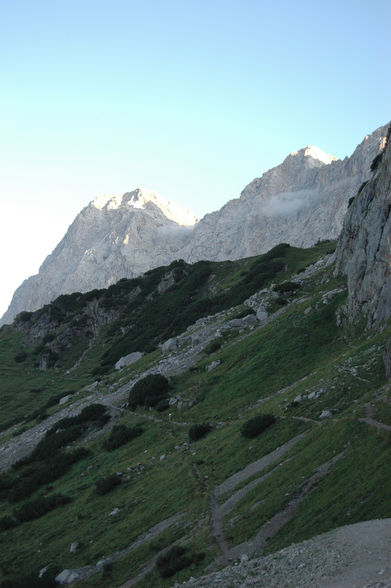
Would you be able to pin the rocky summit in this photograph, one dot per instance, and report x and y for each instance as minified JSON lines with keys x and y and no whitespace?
{"x":300,"y":201}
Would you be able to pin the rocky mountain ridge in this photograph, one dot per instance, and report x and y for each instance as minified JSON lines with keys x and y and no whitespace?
{"x":299,"y":202}
{"x":302,"y":200}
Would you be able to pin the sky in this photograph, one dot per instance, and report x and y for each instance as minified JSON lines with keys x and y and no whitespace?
{"x":192,"y":99}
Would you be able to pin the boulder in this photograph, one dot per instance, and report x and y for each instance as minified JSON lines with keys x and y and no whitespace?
{"x":67,"y":577}
{"x":213,"y":365}
{"x":65,"y":399}
{"x":261,"y":314}
{"x":170,"y":345}
{"x":325,"y":414}
{"x":128,"y":359}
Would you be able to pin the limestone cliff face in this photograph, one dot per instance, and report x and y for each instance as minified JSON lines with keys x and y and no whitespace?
{"x":300,"y":201}
{"x":364,"y":248}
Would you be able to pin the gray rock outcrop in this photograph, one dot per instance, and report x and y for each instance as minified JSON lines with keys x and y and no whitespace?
{"x":364,"y":248}
{"x":128,"y":359}
{"x":300,"y":201}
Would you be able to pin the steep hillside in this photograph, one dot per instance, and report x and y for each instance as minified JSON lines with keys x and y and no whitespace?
{"x":271,"y":427}
{"x":299,"y":202}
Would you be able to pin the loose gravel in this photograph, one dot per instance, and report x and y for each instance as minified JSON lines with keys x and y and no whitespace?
{"x":355,"y":556}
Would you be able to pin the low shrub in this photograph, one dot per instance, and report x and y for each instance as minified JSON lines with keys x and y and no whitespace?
{"x":7,"y":523}
{"x":253,"y":427}
{"x":198,"y":431}
{"x":30,"y":581}
{"x":6,"y":482}
{"x":149,"y":391}
{"x":64,"y":432}
{"x":101,"y":370}
{"x":24,"y":316}
{"x":174,"y":560}
{"x":280,"y":301}
{"x":213,"y":346}
{"x":120,"y":434}
{"x":41,"y":473}
{"x":50,"y":445}
{"x":105,"y":485}
{"x":37,"y":508}
{"x":162,"y":405}
{"x":20,"y":357}
{"x":93,"y":413}
{"x":287,"y":287}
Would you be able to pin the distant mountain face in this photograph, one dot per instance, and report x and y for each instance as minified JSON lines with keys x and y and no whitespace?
{"x":300,"y":201}
{"x":111,"y":238}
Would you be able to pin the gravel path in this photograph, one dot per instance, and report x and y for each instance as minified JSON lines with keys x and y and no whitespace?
{"x":258,"y":543}
{"x":370,"y":413}
{"x":355,"y":556}
{"x":255,"y":467}
{"x":76,"y":575}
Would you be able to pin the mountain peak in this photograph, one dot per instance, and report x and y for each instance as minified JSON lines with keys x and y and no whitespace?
{"x":140,"y":198}
{"x":315,"y":153}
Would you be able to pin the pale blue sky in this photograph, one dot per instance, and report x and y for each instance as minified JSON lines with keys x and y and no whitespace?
{"x":192,"y":99}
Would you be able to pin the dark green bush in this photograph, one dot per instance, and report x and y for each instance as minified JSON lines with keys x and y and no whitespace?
{"x":149,"y":391}
{"x":105,"y":485}
{"x":245,"y":311}
{"x":162,"y":405}
{"x":174,"y":560}
{"x":6,"y":482}
{"x":101,"y":370}
{"x":7,"y":523}
{"x":20,"y":357}
{"x":41,"y":473}
{"x":253,"y":427}
{"x":120,"y":434}
{"x":280,"y":301}
{"x":24,"y":316}
{"x":286,"y":287}
{"x":53,"y":441}
{"x":213,"y":346}
{"x":93,"y":413}
{"x":198,"y":431}
{"x":37,"y":508}
{"x":31,"y":581}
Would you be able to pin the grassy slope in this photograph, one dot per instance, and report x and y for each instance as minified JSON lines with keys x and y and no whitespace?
{"x":304,"y":351}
